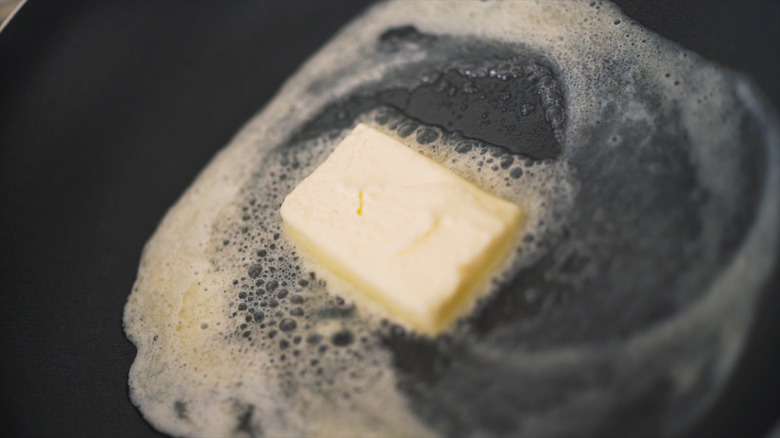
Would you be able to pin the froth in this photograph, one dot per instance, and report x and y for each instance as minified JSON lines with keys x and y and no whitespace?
{"x":643,"y":222}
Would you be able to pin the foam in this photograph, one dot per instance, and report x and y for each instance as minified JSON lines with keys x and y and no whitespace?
{"x":240,"y":335}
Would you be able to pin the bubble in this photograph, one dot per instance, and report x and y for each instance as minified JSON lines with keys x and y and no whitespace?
{"x":407,"y":129}
{"x":506,"y":161}
{"x":288,"y":325}
{"x":342,"y":338}
{"x":463,"y":148}
{"x":255,"y":271}
{"x":427,"y":135}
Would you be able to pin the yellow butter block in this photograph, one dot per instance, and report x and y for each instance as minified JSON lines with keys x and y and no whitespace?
{"x":407,"y":232}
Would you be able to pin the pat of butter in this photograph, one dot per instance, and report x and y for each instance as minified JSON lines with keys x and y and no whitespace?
{"x":408,"y":233}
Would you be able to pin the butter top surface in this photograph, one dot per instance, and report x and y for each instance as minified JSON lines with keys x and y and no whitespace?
{"x":405,"y":230}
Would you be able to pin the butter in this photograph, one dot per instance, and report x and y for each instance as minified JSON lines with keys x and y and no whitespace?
{"x":407,"y":232}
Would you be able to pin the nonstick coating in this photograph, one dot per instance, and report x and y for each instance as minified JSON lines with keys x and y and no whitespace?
{"x":107,"y":112}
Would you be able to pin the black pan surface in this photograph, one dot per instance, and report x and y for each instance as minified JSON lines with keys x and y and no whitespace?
{"x":107,"y":112}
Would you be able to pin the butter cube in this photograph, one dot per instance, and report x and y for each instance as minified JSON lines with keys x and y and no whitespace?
{"x":408,"y":233}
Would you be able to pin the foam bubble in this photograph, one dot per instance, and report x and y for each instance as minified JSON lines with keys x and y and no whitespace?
{"x":651,"y":181}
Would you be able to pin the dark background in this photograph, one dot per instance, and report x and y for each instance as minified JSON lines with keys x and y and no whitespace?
{"x":108,"y":109}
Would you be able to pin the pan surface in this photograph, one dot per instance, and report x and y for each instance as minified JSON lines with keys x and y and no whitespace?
{"x":108,"y":110}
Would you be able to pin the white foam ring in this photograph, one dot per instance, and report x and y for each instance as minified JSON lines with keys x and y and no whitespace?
{"x":208,"y":365}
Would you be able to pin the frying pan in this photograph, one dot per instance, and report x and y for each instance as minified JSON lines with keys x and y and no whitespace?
{"x":107,"y":112}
